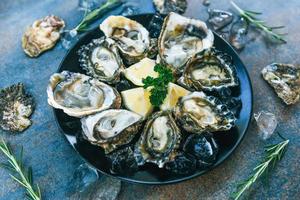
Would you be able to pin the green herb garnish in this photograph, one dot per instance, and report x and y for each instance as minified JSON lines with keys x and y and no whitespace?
{"x":274,"y":153}
{"x":251,"y":17}
{"x":93,"y":15}
{"x":160,"y":84}
{"x":15,"y":166}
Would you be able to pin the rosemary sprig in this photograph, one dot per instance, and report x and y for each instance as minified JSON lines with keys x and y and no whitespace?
{"x":274,"y":153}
{"x":15,"y":166}
{"x":93,"y":15}
{"x":251,"y":17}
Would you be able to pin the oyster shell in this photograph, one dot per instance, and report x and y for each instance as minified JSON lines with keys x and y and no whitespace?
{"x":197,"y":113}
{"x":159,"y":141}
{"x":285,"y":79}
{"x":111,"y":128}
{"x":123,"y":161}
{"x":166,"y":6}
{"x":79,"y":95}
{"x":131,"y":37}
{"x":203,"y":147}
{"x":101,"y":60}
{"x":209,"y":70}
{"x":16,"y":106}
{"x":42,"y":35}
{"x":181,"y":38}
{"x":182,"y":164}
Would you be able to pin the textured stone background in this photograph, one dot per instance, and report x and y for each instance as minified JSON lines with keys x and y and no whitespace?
{"x":53,"y":159}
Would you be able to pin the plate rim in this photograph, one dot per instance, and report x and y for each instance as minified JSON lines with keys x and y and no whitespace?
{"x":175,"y":181}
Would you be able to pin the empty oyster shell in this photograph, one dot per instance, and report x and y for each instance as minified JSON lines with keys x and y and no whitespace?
{"x":101,"y":60}
{"x":79,"y":95}
{"x":285,"y":79}
{"x":197,"y":113}
{"x":181,"y":38}
{"x":159,"y":141}
{"x":111,"y":128}
{"x":131,"y":37}
{"x":209,"y":70}
{"x":15,"y":108}
{"x":42,"y":35}
{"x":166,"y":6}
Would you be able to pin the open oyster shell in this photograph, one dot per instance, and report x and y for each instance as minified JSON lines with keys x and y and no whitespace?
{"x":111,"y":128}
{"x":131,"y":37}
{"x":181,"y":38}
{"x":15,"y":108}
{"x":159,"y":141}
{"x":42,"y":35}
{"x":166,"y":6}
{"x":197,"y":113}
{"x":79,"y":95}
{"x":209,"y":70}
{"x":101,"y":60}
{"x":285,"y":79}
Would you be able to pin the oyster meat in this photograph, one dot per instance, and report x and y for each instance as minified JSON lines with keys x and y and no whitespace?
{"x":101,"y":60}
{"x":203,"y":147}
{"x":285,"y":79}
{"x":197,"y":113}
{"x":42,"y":35}
{"x":79,"y":95}
{"x":209,"y":70}
{"x":160,"y":140}
{"x":131,"y":37}
{"x":181,"y":38}
{"x":111,"y":128}
{"x":16,"y":106}
{"x":166,"y":6}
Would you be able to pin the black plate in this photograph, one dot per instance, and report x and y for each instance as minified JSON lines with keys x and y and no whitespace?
{"x":150,"y":174}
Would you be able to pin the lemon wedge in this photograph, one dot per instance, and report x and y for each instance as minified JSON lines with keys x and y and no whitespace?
{"x":135,"y":73}
{"x":174,"y":93}
{"x":137,"y":100}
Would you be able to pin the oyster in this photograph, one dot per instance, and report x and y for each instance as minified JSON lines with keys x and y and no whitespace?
{"x":16,"y":106}
{"x":131,"y":37}
{"x":111,"y":128}
{"x":101,"y":60}
{"x":197,"y":113}
{"x":182,"y":164}
{"x":42,"y":35}
{"x":166,"y":6}
{"x":181,"y":38}
{"x":203,"y":147}
{"x":123,"y":161}
{"x":209,"y":70}
{"x":285,"y":79}
{"x":79,"y":95}
{"x":159,"y":141}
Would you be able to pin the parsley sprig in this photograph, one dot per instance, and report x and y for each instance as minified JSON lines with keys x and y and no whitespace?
{"x":18,"y":172}
{"x":159,"y":84}
{"x":274,"y":153}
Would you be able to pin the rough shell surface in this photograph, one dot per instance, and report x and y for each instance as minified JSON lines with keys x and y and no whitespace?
{"x":181,"y":38}
{"x":101,"y":60}
{"x":131,"y":37}
{"x":166,"y":6}
{"x":159,"y":141}
{"x":197,"y":113}
{"x":209,"y":70}
{"x":42,"y":35}
{"x":123,"y":161}
{"x":79,"y":95}
{"x":111,"y":128}
{"x":16,"y":106}
{"x":285,"y":79}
